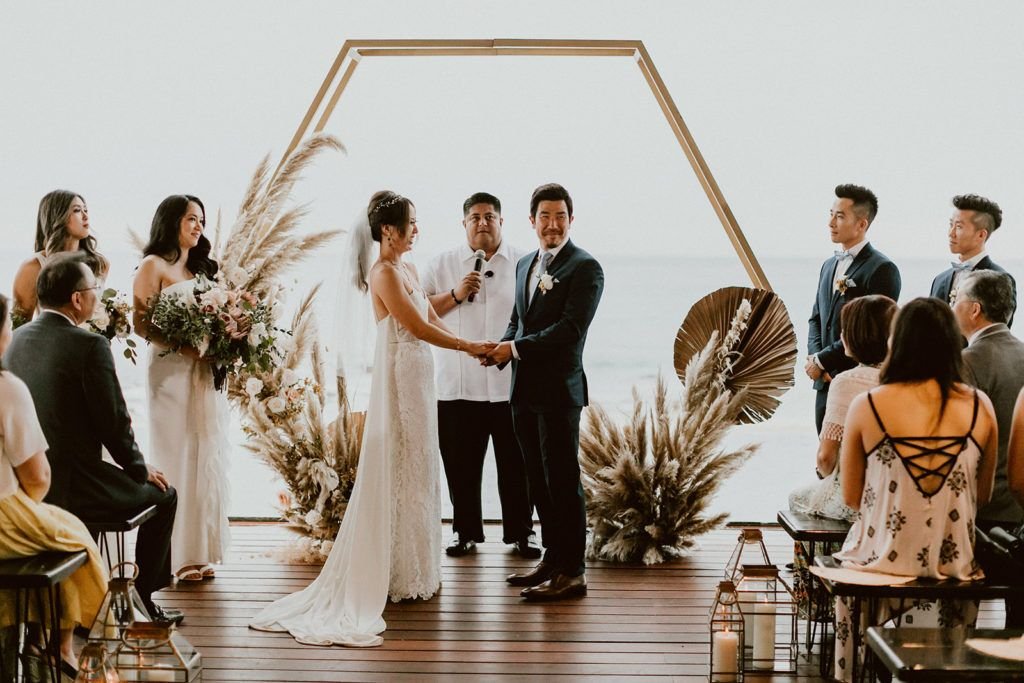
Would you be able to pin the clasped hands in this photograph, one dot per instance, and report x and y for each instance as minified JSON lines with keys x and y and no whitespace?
{"x":814,"y":371}
{"x":490,"y":353}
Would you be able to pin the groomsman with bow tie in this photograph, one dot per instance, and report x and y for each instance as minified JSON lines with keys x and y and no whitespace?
{"x":974,"y":220}
{"x":856,"y":270}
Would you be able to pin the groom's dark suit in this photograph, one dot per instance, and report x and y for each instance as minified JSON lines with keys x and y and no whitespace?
{"x":70,"y":374}
{"x":872,"y":272}
{"x":549,"y":390}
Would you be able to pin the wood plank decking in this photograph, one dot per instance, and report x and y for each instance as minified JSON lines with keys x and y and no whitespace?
{"x":637,"y":622}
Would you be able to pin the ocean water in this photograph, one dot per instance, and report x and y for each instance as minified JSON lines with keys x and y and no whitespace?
{"x":630,"y":344}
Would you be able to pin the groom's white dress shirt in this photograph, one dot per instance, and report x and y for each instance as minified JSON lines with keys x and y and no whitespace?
{"x":844,"y":264}
{"x":458,"y":375}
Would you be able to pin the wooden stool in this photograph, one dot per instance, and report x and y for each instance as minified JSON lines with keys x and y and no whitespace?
{"x":119,"y":528}
{"x":40,"y":574}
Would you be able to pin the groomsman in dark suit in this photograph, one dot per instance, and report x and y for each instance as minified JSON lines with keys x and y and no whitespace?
{"x":558,"y":288}
{"x":70,"y":373}
{"x":855,"y":270}
{"x":994,"y":363}
{"x":973,"y":221}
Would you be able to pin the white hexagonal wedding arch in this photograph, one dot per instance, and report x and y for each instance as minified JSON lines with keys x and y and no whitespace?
{"x":352,"y":51}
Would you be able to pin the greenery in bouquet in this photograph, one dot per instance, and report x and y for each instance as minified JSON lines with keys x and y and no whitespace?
{"x":18,"y":318}
{"x":229,"y":327}
{"x":113,"y":320}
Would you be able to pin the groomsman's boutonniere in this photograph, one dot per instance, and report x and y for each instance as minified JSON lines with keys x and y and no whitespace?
{"x":546,"y":283}
{"x":844,"y":283}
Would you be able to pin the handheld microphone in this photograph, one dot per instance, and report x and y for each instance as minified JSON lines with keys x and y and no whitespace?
{"x":477,"y":266}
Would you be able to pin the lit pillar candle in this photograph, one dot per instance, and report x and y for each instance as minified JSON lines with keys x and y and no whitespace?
{"x":723,"y":664}
{"x":764,"y":635}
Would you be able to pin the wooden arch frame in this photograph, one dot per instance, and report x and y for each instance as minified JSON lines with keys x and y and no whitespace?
{"x":352,"y":51}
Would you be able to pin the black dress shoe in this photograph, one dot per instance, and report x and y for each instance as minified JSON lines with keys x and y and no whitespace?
{"x":527,"y":548}
{"x":558,"y":587}
{"x":174,"y":616}
{"x":536,"y":576}
{"x":458,"y":547}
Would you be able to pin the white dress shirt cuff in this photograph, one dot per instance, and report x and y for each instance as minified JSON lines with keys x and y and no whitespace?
{"x":817,"y":361}
{"x":515,"y":353}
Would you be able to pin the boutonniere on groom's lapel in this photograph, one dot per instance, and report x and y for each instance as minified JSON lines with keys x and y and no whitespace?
{"x":547,"y":283}
{"x":844,"y":283}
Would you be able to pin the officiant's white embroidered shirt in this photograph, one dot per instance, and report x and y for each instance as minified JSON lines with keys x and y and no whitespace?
{"x":459,"y":376}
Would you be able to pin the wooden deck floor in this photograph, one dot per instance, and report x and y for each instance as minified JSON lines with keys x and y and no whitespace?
{"x":637,"y":622}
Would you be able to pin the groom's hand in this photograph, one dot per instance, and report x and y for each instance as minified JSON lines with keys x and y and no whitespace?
{"x":499,"y":355}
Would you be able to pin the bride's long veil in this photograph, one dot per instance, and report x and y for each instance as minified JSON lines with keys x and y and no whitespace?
{"x":354,"y":324}
{"x":344,"y":605}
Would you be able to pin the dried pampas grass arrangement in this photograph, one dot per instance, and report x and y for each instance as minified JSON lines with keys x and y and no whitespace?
{"x":650,"y":482}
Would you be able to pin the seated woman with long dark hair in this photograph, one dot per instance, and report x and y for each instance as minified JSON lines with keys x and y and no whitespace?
{"x":918,"y":458}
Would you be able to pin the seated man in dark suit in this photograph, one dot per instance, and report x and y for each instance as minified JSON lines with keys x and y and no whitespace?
{"x":70,"y":374}
{"x":973,"y":221}
{"x":994,"y":362}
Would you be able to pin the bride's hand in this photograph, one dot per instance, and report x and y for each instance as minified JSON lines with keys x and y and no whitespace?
{"x":478,"y":349}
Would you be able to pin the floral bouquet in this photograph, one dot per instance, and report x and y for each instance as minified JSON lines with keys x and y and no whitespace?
{"x":230,"y":328}
{"x":112,"y":319}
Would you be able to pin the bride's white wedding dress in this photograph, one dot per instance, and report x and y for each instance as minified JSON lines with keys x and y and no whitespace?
{"x":389,"y":543}
{"x":188,"y":423}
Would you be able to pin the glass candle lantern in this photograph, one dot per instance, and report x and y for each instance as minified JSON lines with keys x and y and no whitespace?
{"x":122,"y":606}
{"x":726,"y":630}
{"x":154,"y":651}
{"x":95,"y":666}
{"x":768,"y":607}
{"x":750,"y":549}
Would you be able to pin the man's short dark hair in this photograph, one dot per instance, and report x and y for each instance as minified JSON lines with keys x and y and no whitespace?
{"x":987,"y":214}
{"x":61,"y":277}
{"x":481,"y":198}
{"x":865,"y":203}
{"x":993,"y":291}
{"x":552,"y":192}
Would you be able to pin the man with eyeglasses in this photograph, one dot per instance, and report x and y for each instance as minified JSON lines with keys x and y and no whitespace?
{"x":472,"y":288}
{"x":70,"y":374}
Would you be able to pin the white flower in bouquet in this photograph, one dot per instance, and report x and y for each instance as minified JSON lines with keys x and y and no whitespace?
{"x":312,"y":518}
{"x":257,"y":334}
{"x":253,"y":386}
{"x":215,"y":297}
{"x":276,"y":405}
{"x":288,"y":377}
{"x":100,"y":318}
{"x":287,"y":344}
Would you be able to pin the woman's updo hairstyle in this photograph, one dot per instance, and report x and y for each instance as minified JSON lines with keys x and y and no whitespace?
{"x":388,"y":208}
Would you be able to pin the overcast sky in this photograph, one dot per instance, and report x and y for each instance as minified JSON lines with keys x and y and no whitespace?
{"x":127,"y":102}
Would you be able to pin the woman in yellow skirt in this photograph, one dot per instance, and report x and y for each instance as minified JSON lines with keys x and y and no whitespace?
{"x":27,"y":525}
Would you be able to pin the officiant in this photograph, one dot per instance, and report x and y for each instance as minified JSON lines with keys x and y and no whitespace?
{"x":472,"y":288}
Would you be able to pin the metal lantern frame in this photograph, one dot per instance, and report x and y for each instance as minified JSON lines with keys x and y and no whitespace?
{"x":770,"y":600}
{"x":155,"y":651}
{"x":750,"y":541}
{"x":121,"y":607}
{"x":726,"y":615}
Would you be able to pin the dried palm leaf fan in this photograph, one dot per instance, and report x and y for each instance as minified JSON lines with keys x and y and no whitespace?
{"x":765,"y":356}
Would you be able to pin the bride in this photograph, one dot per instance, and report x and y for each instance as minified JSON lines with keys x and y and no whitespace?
{"x":389,"y":543}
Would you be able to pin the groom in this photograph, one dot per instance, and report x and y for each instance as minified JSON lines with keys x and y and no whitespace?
{"x":558,"y":288}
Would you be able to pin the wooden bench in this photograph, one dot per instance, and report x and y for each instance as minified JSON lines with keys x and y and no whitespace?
{"x":39,"y":575}
{"x":118,"y":528}
{"x":941,"y":654}
{"x":866,"y":597}
{"x":822,"y":537}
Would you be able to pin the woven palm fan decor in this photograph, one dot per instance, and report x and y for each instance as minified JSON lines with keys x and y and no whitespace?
{"x":764,"y":358}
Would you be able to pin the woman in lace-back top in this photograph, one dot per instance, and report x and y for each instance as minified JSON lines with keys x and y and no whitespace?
{"x":918,"y":459}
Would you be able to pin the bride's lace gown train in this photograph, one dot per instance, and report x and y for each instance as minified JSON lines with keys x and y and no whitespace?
{"x":389,"y":543}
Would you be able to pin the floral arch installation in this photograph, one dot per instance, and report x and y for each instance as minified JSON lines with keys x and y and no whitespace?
{"x":353,"y":51}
